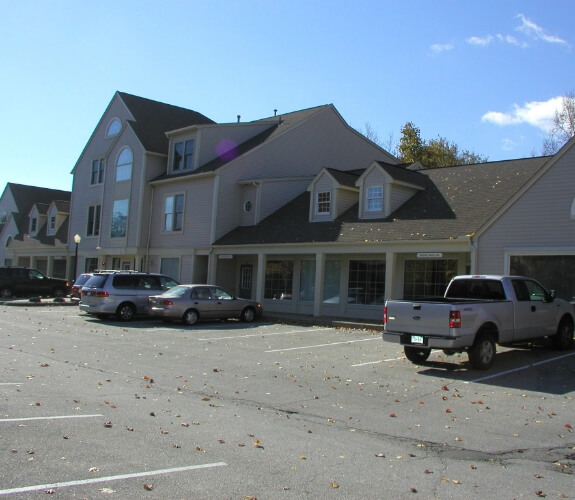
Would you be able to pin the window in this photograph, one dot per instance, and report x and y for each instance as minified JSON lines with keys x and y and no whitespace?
{"x":52,"y":225}
{"x":307,"y":280}
{"x":374,"y":199}
{"x":555,"y":272}
{"x":323,"y":203}
{"x":426,"y":278}
{"x":247,"y":206}
{"x":331,"y":281}
{"x":93,"y":227}
{"x":90,"y":264}
{"x":183,"y":156}
{"x":119,"y":219}
{"x":33,"y":224}
{"x":366,"y":282}
{"x":124,"y":165}
{"x":170,"y":266}
{"x":279,"y":279}
{"x":97,"y":171}
{"x":114,"y":127}
{"x":174,"y":212}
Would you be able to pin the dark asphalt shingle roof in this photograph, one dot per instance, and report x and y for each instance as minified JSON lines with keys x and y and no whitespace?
{"x":152,"y":119}
{"x":456,"y":201}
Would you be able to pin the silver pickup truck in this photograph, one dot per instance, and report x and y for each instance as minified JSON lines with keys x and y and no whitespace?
{"x":476,"y":313}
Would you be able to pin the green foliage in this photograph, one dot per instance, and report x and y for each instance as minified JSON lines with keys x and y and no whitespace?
{"x":438,"y":152}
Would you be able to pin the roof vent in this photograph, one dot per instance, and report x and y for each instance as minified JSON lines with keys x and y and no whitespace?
{"x":275,"y":112}
{"x":239,"y":117}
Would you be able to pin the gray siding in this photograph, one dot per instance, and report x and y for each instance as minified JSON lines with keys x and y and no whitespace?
{"x":540,"y":220}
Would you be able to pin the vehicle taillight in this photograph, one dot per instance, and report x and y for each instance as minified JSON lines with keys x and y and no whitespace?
{"x":384,"y":315}
{"x":167,"y":302}
{"x":95,"y":294}
{"x":454,"y":319}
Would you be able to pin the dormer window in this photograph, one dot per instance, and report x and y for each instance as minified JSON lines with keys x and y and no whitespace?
{"x":33,"y":225}
{"x":374,"y":199}
{"x":183,"y":156}
{"x":323,"y":203}
{"x":114,"y":127}
{"x":52,"y":225}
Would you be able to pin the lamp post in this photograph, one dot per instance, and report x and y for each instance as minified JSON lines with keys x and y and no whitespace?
{"x":77,"y":240}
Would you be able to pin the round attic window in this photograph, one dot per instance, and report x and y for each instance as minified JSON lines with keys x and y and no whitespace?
{"x":247,"y":206}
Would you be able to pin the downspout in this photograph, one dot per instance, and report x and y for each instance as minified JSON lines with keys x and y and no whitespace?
{"x":149,"y":229}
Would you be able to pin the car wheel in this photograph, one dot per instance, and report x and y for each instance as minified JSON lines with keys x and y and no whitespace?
{"x":6,"y":293}
{"x":191,"y":317}
{"x":126,"y":312}
{"x":248,"y":314}
{"x":482,"y":353}
{"x":59,"y":292}
{"x":563,"y":339}
{"x":416,"y":355}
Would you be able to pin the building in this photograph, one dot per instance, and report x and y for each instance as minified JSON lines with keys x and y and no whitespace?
{"x":300,"y":211}
{"x":34,"y":229}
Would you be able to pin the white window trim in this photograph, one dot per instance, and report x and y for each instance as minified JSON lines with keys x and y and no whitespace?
{"x":317,"y":203}
{"x":368,"y":199}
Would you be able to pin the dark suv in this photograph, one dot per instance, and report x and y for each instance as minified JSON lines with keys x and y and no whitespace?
{"x":122,"y":293}
{"x":27,"y":282}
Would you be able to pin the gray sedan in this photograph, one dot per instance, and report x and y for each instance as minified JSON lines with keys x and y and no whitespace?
{"x":192,"y":303}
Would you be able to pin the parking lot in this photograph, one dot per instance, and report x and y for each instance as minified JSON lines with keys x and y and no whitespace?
{"x":230,"y":410}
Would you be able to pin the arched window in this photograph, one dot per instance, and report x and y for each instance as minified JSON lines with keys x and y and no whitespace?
{"x":124,"y":165}
{"x":114,"y":127}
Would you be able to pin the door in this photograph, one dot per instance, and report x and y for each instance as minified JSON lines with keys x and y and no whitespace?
{"x":246,"y":274}
{"x":534,"y":310}
{"x":225,"y":305}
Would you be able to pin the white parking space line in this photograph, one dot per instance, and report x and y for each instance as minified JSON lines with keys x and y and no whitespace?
{"x":10,"y":383}
{"x":264,"y":334}
{"x":524,"y":367}
{"x":82,"y":482}
{"x":380,"y":361}
{"x":320,"y":345}
{"x":56,"y":417}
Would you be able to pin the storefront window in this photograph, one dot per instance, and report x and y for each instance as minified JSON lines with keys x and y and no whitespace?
{"x":307,"y":280}
{"x":366,"y":284}
{"x":331,"y":281}
{"x":554,"y":272}
{"x":427,"y":278}
{"x":279,"y":279}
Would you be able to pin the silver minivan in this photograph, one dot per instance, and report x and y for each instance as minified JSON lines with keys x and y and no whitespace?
{"x":123,"y":294}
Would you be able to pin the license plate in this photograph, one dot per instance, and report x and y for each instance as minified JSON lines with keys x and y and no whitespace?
{"x":417,"y":339}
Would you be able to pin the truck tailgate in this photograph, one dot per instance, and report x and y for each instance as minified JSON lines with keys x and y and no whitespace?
{"x":429,"y":318}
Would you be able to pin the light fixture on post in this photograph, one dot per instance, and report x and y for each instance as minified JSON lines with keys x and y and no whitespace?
{"x":77,"y":240}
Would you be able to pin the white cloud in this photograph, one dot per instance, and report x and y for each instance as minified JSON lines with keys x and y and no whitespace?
{"x":481,"y":41}
{"x":437,"y":48}
{"x":536,"y":32}
{"x":536,"y":113}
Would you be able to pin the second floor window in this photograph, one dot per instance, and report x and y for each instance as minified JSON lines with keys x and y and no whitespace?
{"x":323,"y":203}
{"x":119,"y":219}
{"x":174,"y":213}
{"x":183,"y":156}
{"x":97,"y":171}
{"x":93,"y":223}
{"x":52,"y":225}
{"x":33,"y":224}
{"x":124,"y":165}
{"x":374,"y":199}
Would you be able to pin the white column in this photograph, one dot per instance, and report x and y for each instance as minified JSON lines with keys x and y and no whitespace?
{"x":319,"y":278}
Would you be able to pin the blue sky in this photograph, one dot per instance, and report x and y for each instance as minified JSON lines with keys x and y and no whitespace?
{"x":484,"y":74}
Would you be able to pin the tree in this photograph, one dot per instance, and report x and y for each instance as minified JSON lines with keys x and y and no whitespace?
{"x":438,"y":152}
{"x":563,"y":125}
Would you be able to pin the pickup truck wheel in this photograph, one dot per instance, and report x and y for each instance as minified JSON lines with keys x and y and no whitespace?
{"x":482,"y":353}
{"x":416,"y":355}
{"x":563,"y":339}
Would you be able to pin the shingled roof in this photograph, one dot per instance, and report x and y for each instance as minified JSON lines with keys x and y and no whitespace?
{"x":152,"y":119}
{"x":456,"y":201}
